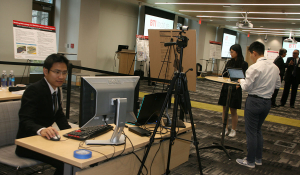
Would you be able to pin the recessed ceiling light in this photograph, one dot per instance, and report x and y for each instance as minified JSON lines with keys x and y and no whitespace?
{"x":211,"y":20}
{"x":255,"y":29}
{"x":226,"y":4}
{"x":293,"y":23}
{"x":261,"y":26}
{"x":294,"y":19}
{"x":274,"y":13}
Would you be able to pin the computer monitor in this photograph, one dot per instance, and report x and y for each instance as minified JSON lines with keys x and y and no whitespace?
{"x":106,"y":100}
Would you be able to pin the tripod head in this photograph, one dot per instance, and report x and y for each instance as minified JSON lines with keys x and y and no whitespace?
{"x":182,"y":41}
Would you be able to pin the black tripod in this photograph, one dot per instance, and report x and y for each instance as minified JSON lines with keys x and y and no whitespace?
{"x":182,"y":98}
{"x":221,"y":146}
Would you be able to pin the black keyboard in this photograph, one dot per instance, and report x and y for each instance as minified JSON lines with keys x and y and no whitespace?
{"x":88,"y":132}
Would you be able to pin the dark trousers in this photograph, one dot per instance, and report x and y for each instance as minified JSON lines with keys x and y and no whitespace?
{"x":287,"y":85}
{"x":273,"y":99}
{"x":59,"y":165}
{"x":256,"y":111}
{"x":274,"y":96}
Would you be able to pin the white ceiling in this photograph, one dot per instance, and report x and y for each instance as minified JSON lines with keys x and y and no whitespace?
{"x":221,"y":14}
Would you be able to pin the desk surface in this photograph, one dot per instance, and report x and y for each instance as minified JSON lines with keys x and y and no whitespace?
{"x":6,"y":95}
{"x":220,"y":79}
{"x":63,"y":150}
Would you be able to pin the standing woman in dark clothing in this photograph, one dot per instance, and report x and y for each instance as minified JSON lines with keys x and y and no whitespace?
{"x":237,"y":61}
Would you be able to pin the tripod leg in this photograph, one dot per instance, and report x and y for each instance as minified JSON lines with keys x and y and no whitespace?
{"x":158,"y":122}
{"x":189,"y":106}
{"x":174,"y":121}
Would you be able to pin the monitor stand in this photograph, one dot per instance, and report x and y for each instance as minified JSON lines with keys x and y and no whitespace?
{"x":117,"y":137}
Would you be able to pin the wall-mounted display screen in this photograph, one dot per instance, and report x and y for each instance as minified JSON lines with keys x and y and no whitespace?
{"x":228,"y":41}
{"x":153,"y":22}
{"x":290,"y":47}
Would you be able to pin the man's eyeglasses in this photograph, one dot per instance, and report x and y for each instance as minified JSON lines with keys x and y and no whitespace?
{"x":58,"y":72}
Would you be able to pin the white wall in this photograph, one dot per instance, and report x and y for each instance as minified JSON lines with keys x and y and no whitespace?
{"x":210,"y":35}
{"x":9,"y":11}
{"x":195,"y":25}
{"x":117,"y":26}
{"x":69,"y":27}
{"x":274,"y":43}
{"x":88,"y":33}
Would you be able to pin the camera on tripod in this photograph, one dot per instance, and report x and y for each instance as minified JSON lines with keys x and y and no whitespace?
{"x":182,"y":41}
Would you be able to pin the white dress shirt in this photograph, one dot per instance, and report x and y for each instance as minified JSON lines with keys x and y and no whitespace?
{"x":261,"y":79}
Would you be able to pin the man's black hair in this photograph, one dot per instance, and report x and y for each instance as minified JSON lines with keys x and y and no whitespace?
{"x":257,"y":47}
{"x":282,"y":51}
{"x":55,"y":58}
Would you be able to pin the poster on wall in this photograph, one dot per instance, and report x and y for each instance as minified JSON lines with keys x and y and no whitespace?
{"x":33,"y":41}
{"x":142,"y":44}
{"x":215,"y":51}
{"x":272,"y":55}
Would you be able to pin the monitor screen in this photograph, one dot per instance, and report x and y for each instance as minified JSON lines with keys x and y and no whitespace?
{"x":97,"y":93}
{"x":290,"y":47}
{"x":154,"y":22}
{"x":228,"y":41}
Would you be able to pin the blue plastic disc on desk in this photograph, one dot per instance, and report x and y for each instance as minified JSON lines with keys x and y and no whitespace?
{"x":82,"y":154}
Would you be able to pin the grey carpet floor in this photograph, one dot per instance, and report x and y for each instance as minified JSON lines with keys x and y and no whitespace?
{"x":281,"y":153}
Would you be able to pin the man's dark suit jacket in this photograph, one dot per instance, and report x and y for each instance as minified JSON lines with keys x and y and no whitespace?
{"x":36,"y":110}
{"x":280,"y":64}
{"x":290,"y":69}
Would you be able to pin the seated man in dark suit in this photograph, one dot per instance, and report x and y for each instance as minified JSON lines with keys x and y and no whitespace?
{"x":41,"y":107}
{"x":291,"y":78}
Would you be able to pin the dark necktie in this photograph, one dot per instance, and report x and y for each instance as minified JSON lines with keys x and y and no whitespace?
{"x":295,"y":67}
{"x":54,"y":98}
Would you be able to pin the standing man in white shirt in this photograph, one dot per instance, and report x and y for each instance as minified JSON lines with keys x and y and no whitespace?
{"x":261,"y":79}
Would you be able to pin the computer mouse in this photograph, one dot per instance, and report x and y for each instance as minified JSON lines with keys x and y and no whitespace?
{"x":55,"y":138}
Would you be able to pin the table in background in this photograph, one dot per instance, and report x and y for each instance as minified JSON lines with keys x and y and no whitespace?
{"x":127,"y":164}
{"x":6,"y":95}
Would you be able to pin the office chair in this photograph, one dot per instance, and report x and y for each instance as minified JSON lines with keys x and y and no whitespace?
{"x":9,"y":123}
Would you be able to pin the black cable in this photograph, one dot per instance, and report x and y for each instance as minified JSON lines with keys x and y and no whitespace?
{"x":65,"y":140}
{"x":24,"y":71}
{"x":88,"y":148}
{"x":156,"y":151}
{"x":134,"y":152}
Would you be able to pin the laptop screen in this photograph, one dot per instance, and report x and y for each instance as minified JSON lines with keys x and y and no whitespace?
{"x":235,"y":74}
{"x":150,"y":108}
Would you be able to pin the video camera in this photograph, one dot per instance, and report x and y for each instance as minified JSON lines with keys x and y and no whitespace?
{"x":182,"y":41}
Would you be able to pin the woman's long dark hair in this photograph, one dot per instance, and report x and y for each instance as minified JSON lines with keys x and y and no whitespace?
{"x":240,"y":58}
